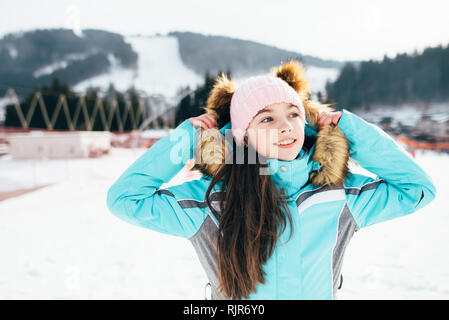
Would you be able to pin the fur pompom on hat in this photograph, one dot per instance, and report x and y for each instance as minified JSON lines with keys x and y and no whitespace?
{"x":238,"y":105}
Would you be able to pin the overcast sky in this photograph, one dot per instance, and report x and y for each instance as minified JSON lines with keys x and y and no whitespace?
{"x":340,"y":30}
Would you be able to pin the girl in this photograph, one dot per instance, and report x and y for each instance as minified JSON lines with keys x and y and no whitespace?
{"x":276,"y":206}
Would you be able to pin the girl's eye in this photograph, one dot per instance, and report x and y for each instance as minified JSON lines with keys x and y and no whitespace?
{"x":265,"y":119}
{"x":294,"y":113}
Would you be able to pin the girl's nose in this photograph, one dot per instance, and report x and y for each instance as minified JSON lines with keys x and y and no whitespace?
{"x":286,"y":127}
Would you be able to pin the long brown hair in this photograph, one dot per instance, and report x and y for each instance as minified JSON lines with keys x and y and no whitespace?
{"x":252,"y":216}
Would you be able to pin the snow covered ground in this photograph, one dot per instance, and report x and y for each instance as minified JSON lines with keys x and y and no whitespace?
{"x":61,"y":242}
{"x":408,"y":257}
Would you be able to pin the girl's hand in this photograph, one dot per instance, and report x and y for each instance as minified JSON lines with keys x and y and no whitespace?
{"x":205,"y":121}
{"x":328,"y":118}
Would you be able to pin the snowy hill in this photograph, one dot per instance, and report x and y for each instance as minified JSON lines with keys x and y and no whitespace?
{"x":159,"y":64}
{"x":33,"y":58}
{"x":160,"y":70}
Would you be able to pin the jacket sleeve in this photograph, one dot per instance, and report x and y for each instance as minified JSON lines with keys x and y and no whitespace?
{"x":401,"y":186}
{"x":136,"y":196}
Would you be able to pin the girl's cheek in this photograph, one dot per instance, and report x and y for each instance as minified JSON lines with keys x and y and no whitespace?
{"x":263,"y":138}
{"x":265,"y":144}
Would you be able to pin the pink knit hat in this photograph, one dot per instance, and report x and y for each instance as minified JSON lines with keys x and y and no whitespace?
{"x":255,"y":94}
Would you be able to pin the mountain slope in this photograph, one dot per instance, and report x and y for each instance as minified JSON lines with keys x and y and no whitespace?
{"x":153,"y":64}
{"x":159,"y":69}
{"x":33,"y":58}
{"x":213,"y":53}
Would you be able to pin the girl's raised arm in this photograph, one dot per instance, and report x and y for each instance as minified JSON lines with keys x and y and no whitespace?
{"x":136,"y":198}
{"x":401,"y":187}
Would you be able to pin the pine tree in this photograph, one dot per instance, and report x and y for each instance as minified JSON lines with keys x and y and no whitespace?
{"x":418,"y":77}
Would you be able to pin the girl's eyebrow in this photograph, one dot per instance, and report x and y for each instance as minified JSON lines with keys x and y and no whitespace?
{"x":268,"y":110}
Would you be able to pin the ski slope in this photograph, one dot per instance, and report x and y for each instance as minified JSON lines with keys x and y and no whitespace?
{"x":61,"y":242}
{"x":159,"y":69}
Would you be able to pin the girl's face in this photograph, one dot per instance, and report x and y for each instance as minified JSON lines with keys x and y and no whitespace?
{"x":277,"y":131}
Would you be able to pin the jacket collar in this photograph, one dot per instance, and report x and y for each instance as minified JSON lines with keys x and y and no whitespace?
{"x":294,"y":174}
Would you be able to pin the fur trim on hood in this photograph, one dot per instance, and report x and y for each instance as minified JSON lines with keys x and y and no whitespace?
{"x":331,"y":146}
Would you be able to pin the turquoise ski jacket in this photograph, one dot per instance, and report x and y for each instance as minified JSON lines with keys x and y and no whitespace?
{"x":309,"y":265}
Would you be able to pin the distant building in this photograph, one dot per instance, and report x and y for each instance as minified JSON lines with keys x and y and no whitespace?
{"x":435,"y":125}
{"x":137,"y":139}
{"x":59,"y":145}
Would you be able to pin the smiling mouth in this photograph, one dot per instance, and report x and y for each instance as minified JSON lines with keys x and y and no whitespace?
{"x":286,"y":143}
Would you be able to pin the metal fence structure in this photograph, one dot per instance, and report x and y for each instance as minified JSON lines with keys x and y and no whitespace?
{"x":149,"y":110}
